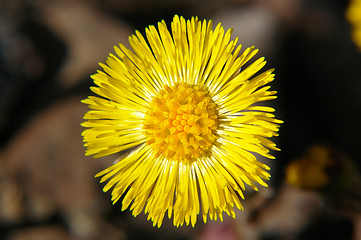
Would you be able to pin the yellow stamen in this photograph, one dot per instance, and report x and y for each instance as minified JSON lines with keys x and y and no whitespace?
{"x":182,"y":122}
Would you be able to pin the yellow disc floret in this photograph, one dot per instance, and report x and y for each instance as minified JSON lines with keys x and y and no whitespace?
{"x":182,"y":122}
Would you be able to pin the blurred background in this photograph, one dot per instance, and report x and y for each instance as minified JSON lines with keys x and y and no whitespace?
{"x":48,"y":50}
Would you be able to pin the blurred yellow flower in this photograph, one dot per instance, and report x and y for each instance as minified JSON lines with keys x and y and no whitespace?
{"x":309,"y":172}
{"x":353,"y":15}
{"x":180,"y":100}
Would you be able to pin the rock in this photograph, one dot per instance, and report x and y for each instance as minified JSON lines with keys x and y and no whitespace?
{"x":284,"y":213}
{"x":254,"y":25}
{"x":89,"y":33}
{"x":40,"y":233}
{"x":11,"y":201}
{"x":290,"y":212}
{"x":45,"y":171}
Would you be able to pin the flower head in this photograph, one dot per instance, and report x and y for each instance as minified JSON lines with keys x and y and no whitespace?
{"x":353,"y":15}
{"x":191,"y":116}
{"x":309,"y":171}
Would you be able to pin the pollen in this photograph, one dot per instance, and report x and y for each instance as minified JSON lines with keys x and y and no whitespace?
{"x":182,"y":122}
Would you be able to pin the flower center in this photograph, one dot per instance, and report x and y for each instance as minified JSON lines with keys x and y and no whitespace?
{"x":182,"y":122}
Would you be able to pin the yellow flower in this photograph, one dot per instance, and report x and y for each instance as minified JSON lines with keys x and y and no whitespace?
{"x":309,"y":172}
{"x":353,"y":15}
{"x":181,"y":102}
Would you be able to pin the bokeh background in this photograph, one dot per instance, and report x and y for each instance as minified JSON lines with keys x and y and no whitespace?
{"x":48,"y":50}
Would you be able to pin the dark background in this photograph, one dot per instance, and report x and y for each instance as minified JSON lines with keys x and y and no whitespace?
{"x":48,"y":50}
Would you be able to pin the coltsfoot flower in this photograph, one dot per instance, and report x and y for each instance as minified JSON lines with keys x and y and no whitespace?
{"x":191,"y":117}
{"x":353,"y":15}
{"x":310,"y":171}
